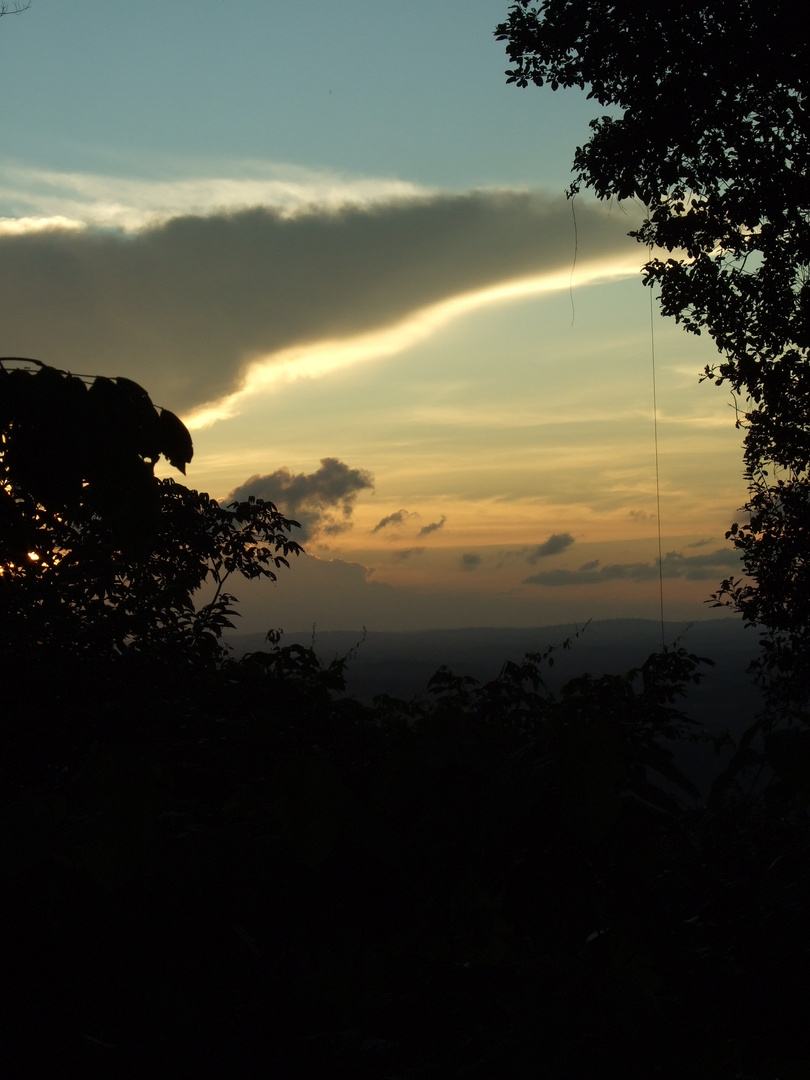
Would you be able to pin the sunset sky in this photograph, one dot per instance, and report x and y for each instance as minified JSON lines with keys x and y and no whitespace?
{"x":336,"y":242}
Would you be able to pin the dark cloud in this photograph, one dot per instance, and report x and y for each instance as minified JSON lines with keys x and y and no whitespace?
{"x":556,"y":543}
{"x":322,"y":501}
{"x":709,"y":567}
{"x":640,"y":515}
{"x":432,"y":527}
{"x":397,"y":518}
{"x":406,"y":553}
{"x":470,"y":561}
{"x":184,"y":306}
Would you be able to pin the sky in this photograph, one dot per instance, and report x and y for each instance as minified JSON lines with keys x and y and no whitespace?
{"x":337,"y":243}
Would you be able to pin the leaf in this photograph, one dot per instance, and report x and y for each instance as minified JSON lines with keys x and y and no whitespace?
{"x":175,"y":441}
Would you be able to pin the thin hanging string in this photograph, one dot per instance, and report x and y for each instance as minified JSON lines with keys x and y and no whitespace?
{"x":574,"y":263}
{"x":657,"y":474}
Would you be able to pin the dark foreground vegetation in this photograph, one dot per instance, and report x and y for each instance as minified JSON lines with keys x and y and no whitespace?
{"x":219,"y":866}
{"x":229,"y":868}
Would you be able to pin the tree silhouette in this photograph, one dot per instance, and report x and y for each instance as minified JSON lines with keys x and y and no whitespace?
{"x":97,"y":555}
{"x":710,"y":130}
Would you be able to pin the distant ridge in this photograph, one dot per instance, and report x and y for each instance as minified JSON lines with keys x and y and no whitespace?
{"x":401,"y":662}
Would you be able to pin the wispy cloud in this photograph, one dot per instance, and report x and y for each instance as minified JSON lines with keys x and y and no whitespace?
{"x":434,"y":526}
{"x":23,"y":226}
{"x":399,"y":517}
{"x":134,"y":202}
{"x":406,"y":553}
{"x":322,"y":501}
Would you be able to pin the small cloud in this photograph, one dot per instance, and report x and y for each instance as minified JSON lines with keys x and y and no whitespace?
{"x":556,"y":543}
{"x":398,"y":518}
{"x":699,"y":543}
{"x":322,"y":501}
{"x":470,"y":561}
{"x":432,"y":527}
{"x":640,"y":515}
{"x":406,"y":553}
{"x":590,"y":565}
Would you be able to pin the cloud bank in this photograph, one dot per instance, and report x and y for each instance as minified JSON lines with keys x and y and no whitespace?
{"x":709,"y":567}
{"x":186,"y":306}
{"x":322,"y":501}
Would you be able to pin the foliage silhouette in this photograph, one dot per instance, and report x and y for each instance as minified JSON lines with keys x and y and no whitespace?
{"x":481,"y":881}
{"x":98,"y":557}
{"x":710,"y":131}
{"x":75,"y":449}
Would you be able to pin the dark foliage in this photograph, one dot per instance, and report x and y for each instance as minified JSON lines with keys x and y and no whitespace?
{"x":98,"y":557}
{"x":214,"y":866}
{"x":246,"y":872}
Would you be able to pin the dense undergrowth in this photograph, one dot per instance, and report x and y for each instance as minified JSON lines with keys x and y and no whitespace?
{"x":232,"y":869}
